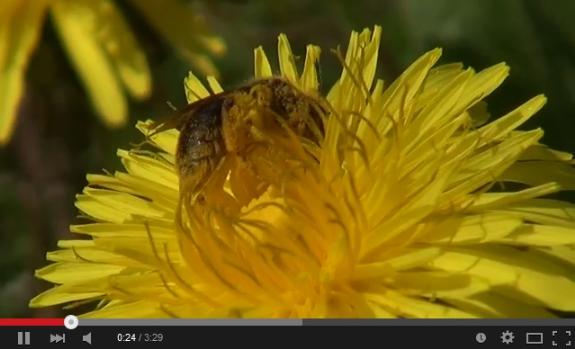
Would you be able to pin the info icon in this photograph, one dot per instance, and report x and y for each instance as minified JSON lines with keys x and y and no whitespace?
{"x":480,"y":337}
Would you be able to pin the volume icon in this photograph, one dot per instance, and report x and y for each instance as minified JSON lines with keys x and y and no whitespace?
{"x":57,"y":338}
{"x":87,"y":338}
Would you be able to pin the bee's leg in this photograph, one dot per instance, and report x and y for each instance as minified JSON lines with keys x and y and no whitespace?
{"x":193,"y":178}
{"x":203,"y":185}
{"x":306,"y":119}
{"x":284,"y":138}
{"x":246,"y":185}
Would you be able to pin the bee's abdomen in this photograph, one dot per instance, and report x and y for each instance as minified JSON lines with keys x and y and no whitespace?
{"x":200,"y":145}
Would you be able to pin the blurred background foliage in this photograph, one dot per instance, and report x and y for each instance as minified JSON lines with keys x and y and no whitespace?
{"x":59,"y":138}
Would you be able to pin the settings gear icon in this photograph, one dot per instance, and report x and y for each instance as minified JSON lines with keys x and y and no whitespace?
{"x":507,"y":337}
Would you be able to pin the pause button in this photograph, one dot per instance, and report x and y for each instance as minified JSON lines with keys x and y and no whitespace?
{"x":23,"y":338}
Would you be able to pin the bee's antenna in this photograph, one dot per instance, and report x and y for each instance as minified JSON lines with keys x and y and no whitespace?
{"x":171,"y":105}
{"x":319,"y":75}
{"x":172,"y":120}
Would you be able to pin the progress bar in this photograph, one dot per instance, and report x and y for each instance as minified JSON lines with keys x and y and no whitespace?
{"x":56,"y":322}
{"x":326,"y":322}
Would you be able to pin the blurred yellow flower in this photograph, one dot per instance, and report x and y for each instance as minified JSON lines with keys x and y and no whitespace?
{"x":101,"y":47}
{"x":417,"y":208}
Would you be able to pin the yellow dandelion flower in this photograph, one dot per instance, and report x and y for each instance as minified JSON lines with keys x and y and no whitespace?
{"x":101,"y":47}
{"x":412,"y":206}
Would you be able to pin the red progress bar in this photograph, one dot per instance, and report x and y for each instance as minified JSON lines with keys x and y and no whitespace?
{"x":32,"y":322}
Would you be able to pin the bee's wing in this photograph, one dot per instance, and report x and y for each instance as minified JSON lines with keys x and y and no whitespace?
{"x":178,"y":117}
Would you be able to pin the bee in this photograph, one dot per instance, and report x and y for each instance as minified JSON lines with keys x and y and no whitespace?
{"x":229,"y":125}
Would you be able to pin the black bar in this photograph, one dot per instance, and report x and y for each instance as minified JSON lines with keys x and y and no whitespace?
{"x":320,"y":335}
